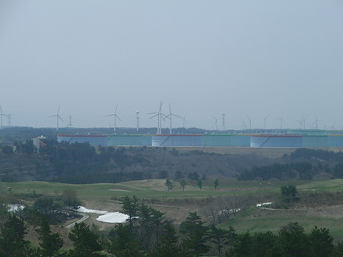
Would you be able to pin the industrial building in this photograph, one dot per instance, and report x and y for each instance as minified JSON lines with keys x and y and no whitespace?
{"x":291,"y":139}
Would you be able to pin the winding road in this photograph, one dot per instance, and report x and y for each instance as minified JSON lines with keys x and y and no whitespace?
{"x":84,"y":217}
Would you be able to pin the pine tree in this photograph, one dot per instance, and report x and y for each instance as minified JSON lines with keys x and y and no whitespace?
{"x":12,"y":243}
{"x":220,"y":237}
{"x":195,"y":234}
{"x":169,"y":184}
{"x":321,"y":242}
{"x":216,"y":184}
{"x":199,"y":184}
{"x":124,"y":243}
{"x":86,"y":242}
{"x":50,"y":243}
{"x":183,"y":184}
{"x":130,"y":207}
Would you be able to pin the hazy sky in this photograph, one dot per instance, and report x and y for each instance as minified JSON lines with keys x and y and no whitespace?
{"x":238,"y":57}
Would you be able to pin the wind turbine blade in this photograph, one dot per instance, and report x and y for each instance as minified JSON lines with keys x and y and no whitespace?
{"x":154,"y":116}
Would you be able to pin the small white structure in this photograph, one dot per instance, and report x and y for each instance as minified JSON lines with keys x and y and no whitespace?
{"x":38,"y":142}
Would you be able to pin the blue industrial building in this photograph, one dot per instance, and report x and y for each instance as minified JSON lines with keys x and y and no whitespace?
{"x":291,"y":139}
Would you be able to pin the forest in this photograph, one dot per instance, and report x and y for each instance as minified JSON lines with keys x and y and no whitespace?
{"x":80,"y":163}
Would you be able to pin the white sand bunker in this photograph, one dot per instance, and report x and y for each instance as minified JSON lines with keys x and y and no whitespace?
{"x":113,"y":217}
{"x":85,"y":210}
{"x":108,"y":217}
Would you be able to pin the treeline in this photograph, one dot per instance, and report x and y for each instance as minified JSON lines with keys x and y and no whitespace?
{"x":82,"y":163}
{"x":303,"y":164}
{"x":70,"y":163}
{"x":278,"y":171}
{"x":147,"y":233}
{"x":116,"y":177}
{"x":317,"y":154}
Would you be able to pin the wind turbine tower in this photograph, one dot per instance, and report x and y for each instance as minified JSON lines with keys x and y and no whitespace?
{"x":137,"y":118}
{"x":170,"y":117}
{"x":316,"y":121}
{"x":159,"y":116}
{"x":281,"y":121}
{"x":223,"y":121}
{"x":184,"y":121}
{"x":1,"y":114}
{"x":9,"y":119}
{"x":249,"y":119}
{"x":115,"y":117}
{"x":265,"y":122}
{"x":58,"y":117}
{"x":215,"y":122}
{"x":69,"y":125}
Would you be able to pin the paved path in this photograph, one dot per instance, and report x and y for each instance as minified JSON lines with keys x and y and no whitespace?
{"x":84,"y":217}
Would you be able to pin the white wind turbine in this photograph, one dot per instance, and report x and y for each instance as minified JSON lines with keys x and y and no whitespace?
{"x":265,"y":122}
{"x":281,"y":121}
{"x":223,"y":121}
{"x":170,"y":117}
{"x":159,"y":116}
{"x":316,"y":122}
{"x":137,"y":119}
{"x":300,"y":123}
{"x":249,"y":120}
{"x":115,"y":117}
{"x":184,"y":121}
{"x":215,"y":122}
{"x":58,"y":117}
{"x":9,"y":119}
{"x":244,"y":125}
{"x":303,"y":122}
{"x":1,"y":114}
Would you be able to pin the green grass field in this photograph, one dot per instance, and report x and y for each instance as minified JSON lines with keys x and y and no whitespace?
{"x":254,"y":220}
{"x":141,"y":189}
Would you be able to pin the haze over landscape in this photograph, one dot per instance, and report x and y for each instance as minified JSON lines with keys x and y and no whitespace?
{"x":242,"y":58}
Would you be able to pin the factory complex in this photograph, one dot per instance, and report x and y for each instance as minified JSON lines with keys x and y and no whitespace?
{"x":290,"y":139}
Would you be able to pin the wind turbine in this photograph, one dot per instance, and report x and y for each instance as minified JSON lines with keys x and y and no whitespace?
{"x":9,"y":119}
{"x":70,"y":123}
{"x":244,"y":125}
{"x":115,"y":117}
{"x":223,"y":121}
{"x":58,"y":117}
{"x":184,"y":121}
{"x":316,"y":121}
{"x":215,"y":122}
{"x":281,"y":121}
{"x":170,"y":117}
{"x":137,"y":118}
{"x":300,"y":123}
{"x":159,"y":116}
{"x":249,"y":119}
{"x":265,"y":122}
{"x":1,"y":114}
